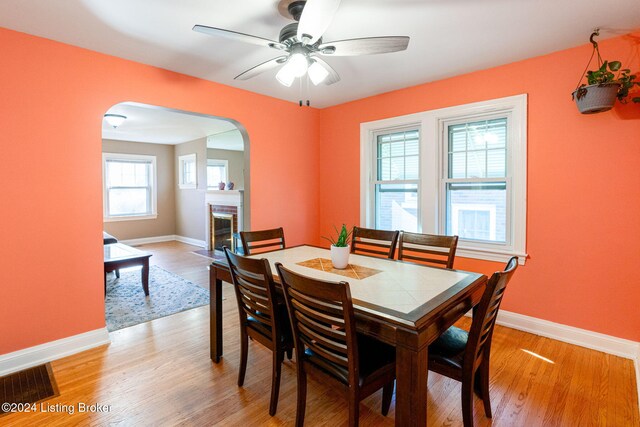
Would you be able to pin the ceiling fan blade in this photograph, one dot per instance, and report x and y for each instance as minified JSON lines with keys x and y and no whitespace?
{"x":333,"y":76}
{"x":261,"y":68}
{"x":315,"y":19}
{"x":364,"y":46}
{"x":241,"y":37}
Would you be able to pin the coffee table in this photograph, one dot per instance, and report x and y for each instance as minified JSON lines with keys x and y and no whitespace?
{"x":119,"y":255}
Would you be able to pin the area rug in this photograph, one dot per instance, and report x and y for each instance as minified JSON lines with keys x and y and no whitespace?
{"x":126,"y":304}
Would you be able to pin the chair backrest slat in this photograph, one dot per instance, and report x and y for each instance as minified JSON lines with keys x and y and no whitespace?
{"x":262,"y":240}
{"x":428,"y":248}
{"x":255,"y":294}
{"x":367,"y":241}
{"x":484,"y":318}
{"x":323,"y":321}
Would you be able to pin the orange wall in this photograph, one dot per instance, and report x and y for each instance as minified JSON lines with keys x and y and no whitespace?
{"x":583,"y":233}
{"x":52,"y":98}
{"x":583,"y":179}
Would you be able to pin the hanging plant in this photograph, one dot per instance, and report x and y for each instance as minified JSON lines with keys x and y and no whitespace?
{"x":604,"y":85}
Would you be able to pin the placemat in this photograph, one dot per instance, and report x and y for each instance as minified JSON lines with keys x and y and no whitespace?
{"x":352,"y":271}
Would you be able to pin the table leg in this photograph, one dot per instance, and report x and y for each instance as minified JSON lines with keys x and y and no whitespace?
{"x":411,"y":386}
{"x":145,"y":276}
{"x":215,"y":315}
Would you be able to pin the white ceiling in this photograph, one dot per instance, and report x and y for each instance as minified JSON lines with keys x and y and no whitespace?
{"x":158,"y":125}
{"x":448,"y":37}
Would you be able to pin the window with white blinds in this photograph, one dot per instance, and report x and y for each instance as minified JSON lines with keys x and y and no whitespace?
{"x":475,"y":180}
{"x":453,"y":171}
{"x":396,"y":180}
{"x":129,"y":186}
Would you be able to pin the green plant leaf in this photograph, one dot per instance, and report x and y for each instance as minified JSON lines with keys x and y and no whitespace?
{"x":615,"y":65}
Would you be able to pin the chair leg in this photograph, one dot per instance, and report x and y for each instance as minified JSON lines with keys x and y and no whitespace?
{"x":354,"y":410}
{"x":117,"y":274}
{"x":302,"y":396}
{"x":483,"y":386}
{"x":467,"y":401}
{"x":290,"y":353}
{"x":244,"y":350}
{"x":387,"y":394}
{"x":275,"y":382}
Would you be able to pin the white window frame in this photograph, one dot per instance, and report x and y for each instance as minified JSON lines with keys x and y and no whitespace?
{"x":374,"y":173}
{"x":105,"y":193}
{"x":182,"y":160}
{"x":218,"y":162}
{"x":431,"y":188}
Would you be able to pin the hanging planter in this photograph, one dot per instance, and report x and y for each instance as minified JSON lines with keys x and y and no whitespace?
{"x":603,"y":86}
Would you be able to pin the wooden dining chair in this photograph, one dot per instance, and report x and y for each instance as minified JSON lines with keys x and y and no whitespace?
{"x":464,"y":356}
{"x":262,"y":240}
{"x":327,"y":345}
{"x":380,"y":243}
{"x":428,"y":248}
{"x":262,"y":318}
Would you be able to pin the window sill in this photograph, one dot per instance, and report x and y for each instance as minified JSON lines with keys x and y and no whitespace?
{"x":187,"y":186}
{"x":490,"y":255}
{"x":129,"y":218}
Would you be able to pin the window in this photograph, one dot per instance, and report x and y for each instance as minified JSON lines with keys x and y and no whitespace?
{"x":457,"y":171}
{"x":187,"y":171}
{"x":396,"y":180}
{"x":129,"y":186}
{"x":217,"y":172}
{"x":475,"y":180}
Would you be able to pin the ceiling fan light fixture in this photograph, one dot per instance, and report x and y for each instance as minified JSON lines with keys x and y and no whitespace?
{"x":298,"y":63}
{"x":285,"y":76}
{"x":115,"y":120}
{"x":317,"y":73}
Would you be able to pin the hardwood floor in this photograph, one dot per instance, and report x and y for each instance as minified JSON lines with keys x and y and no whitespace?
{"x":159,"y":373}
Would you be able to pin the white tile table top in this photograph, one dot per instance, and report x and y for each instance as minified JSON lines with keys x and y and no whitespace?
{"x":400,"y":286}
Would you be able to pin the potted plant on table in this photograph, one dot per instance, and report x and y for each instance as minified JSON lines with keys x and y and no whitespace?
{"x":604,"y":85}
{"x":340,"y":247}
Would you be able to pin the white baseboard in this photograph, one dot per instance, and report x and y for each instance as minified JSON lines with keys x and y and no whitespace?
{"x":147,"y":240}
{"x":190,"y":241}
{"x":167,"y":238}
{"x":43,"y":353}
{"x":569,"y":334}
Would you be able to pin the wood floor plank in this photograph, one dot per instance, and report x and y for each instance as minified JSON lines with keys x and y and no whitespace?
{"x":159,"y":373}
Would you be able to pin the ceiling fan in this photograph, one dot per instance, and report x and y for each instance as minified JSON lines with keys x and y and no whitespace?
{"x":301,"y":44}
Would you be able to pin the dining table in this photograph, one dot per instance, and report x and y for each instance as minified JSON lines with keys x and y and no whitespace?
{"x":406,"y":305}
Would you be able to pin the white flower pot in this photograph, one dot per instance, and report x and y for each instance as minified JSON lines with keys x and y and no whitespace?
{"x":596,"y":98}
{"x":340,"y":256}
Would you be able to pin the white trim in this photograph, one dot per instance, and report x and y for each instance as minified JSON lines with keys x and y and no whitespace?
{"x":167,"y":238}
{"x":147,"y":240}
{"x":569,"y":334}
{"x":43,"y":353}
{"x":431,"y":166}
{"x":190,"y":241}
{"x":129,"y":218}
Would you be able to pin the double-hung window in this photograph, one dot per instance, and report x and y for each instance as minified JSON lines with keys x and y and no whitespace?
{"x":475,"y":180}
{"x":396,"y":179}
{"x":454,"y":171}
{"x":129,"y":186}
{"x":187,"y":172}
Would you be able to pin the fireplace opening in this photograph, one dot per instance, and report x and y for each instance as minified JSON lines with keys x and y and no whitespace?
{"x":222,"y":232}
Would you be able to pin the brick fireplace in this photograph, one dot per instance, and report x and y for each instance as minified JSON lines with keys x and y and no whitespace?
{"x":224,"y":218}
